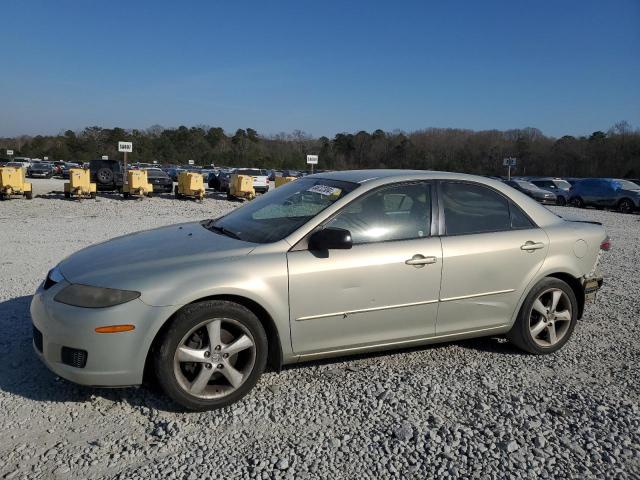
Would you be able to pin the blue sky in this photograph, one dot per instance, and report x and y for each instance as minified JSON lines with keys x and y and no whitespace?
{"x":566,"y":67}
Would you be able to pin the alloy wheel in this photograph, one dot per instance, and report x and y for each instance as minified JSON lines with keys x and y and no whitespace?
{"x":550,"y":317}
{"x":214,"y":358}
{"x":626,"y":206}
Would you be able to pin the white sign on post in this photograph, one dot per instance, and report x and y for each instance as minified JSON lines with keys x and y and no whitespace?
{"x":46,"y":158}
{"x":105,"y":157}
{"x":9,"y":152}
{"x":125,"y":147}
{"x":192,"y":162}
{"x":312,"y":159}
{"x":509,"y":162}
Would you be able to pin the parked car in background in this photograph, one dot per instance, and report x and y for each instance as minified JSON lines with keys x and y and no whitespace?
{"x":219,"y":181}
{"x":260,"y":179}
{"x":618,"y":194}
{"x":106,"y":174}
{"x":162,"y":183}
{"x":558,"y":186}
{"x":67,"y":167}
{"x":208,"y":305}
{"x":535,"y":192}
{"x":273,"y":174}
{"x":174,"y":172}
{"x":40,"y":170}
{"x":292,"y":173}
{"x":24,"y":162}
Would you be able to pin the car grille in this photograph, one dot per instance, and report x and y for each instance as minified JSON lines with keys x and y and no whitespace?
{"x":37,"y":339}
{"x":73,"y":357}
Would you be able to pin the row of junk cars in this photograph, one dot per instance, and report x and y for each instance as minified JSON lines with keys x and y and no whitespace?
{"x":143,"y":179}
{"x":618,"y":194}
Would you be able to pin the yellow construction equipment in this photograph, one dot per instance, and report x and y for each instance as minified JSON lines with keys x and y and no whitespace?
{"x":137,"y":184}
{"x":282,"y":180}
{"x":79,"y":184}
{"x":190,"y":185}
{"x":12,"y":183}
{"x":241,"y":186}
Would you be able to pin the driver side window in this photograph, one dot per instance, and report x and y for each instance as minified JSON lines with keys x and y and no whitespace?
{"x":400,"y":212}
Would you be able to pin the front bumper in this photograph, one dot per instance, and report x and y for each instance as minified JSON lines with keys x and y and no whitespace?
{"x":115,"y":359}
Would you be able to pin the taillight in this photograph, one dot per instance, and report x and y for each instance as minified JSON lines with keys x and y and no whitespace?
{"x":606,"y":244}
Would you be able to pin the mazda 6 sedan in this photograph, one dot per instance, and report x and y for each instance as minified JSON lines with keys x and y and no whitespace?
{"x":329,"y":265}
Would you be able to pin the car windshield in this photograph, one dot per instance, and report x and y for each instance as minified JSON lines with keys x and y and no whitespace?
{"x":156,"y":173}
{"x":275,"y":215}
{"x":526,"y":185}
{"x":628,"y":185}
{"x":562,"y":184}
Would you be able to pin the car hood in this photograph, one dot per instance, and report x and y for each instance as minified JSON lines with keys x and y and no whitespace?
{"x":139,"y":261}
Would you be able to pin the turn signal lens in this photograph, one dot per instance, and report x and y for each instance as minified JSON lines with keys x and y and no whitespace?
{"x":115,"y":328}
{"x":606,"y":244}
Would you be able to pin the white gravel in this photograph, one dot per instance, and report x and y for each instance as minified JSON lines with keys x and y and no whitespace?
{"x":473,"y":409}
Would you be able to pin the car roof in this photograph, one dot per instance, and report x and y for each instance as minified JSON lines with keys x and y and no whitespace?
{"x":363,"y":176}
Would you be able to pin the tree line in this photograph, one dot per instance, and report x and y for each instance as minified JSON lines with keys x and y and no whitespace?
{"x":611,"y":153}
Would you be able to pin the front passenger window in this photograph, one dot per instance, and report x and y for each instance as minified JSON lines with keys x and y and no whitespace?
{"x":400,"y":212}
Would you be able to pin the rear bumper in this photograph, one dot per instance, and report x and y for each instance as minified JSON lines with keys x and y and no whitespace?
{"x":261,"y":189}
{"x":591,"y":285}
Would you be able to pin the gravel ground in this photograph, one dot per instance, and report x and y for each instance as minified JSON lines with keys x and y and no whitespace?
{"x":476,"y":409}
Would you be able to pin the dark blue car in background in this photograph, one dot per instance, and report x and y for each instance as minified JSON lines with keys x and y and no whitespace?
{"x":618,"y":194}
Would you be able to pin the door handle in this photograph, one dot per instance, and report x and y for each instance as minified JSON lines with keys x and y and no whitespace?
{"x":420,"y":261}
{"x":530,"y":246}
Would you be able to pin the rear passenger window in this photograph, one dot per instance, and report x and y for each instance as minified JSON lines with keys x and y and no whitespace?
{"x":470,"y":208}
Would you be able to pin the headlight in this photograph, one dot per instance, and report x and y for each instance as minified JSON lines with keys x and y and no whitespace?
{"x":94,"y":297}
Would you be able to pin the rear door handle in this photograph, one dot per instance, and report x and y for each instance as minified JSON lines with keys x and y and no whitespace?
{"x":530,"y":246}
{"x":420,"y":261}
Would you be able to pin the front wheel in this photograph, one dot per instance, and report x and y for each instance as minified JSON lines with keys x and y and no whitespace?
{"x":561,"y":201}
{"x":625,"y":206}
{"x":546,"y":319}
{"x":212,"y":355}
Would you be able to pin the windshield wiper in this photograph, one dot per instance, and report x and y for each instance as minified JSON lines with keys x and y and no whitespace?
{"x":223,"y":231}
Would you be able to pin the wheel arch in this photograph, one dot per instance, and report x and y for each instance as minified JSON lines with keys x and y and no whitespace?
{"x":274,"y":345}
{"x":575,"y":285}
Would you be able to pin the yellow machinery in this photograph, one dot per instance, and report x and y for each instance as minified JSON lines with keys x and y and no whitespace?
{"x":12,"y":183}
{"x":282,"y":180}
{"x":190,"y":185}
{"x":137,"y":184}
{"x":79,"y":184}
{"x":241,"y":186}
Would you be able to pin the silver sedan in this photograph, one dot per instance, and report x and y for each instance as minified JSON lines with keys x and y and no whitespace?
{"x":329,"y":265}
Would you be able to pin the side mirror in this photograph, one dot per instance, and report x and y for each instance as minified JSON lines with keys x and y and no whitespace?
{"x":331,"y":239}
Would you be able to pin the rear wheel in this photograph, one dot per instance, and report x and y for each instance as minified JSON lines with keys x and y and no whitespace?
{"x":625,"y":206}
{"x":212,"y":355}
{"x":561,"y":201}
{"x":577,"y":202}
{"x":546,"y":319}
{"x":67,"y":194}
{"x":28,"y":195}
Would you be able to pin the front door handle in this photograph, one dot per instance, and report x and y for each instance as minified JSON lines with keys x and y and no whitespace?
{"x":420,"y":261}
{"x":530,"y":246}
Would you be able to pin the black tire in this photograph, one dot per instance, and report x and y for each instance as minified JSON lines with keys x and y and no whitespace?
{"x":28,"y":195}
{"x":149,"y":195}
{"x":125,"y":194}
{"x":67,"y":194}
{"x":626,"y":206}
{"x":176,"y":192}
{"x":561,"y":201}
{"x":520,"y":334}
{"x":105,"y":176}
{"x":230,"y":197}
{"x":93,"y":195}
{"x":577,"y":202}
{"x":185,"y":321}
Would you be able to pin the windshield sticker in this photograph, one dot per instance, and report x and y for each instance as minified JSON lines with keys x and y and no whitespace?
{"x":325,"y":190}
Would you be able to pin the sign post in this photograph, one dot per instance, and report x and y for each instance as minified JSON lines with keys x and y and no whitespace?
{"x":125,"y":147}
{"x":9,"y":153}
{"x":312,"y":160}
{"x":509,"y":162}
{"x":105,"y":157}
